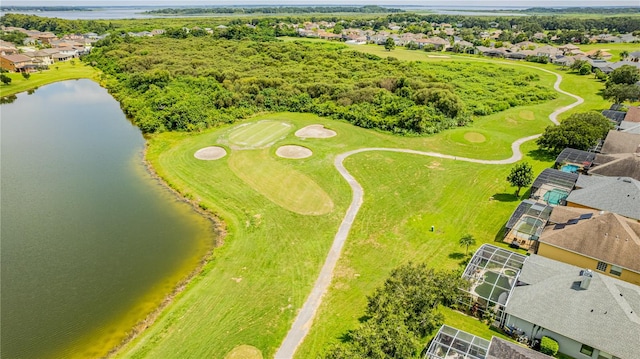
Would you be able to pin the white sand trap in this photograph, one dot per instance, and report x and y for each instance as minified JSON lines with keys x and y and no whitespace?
{"x":315,"y":131}
{"x":210,"y":153}
{"x":292,"y":151}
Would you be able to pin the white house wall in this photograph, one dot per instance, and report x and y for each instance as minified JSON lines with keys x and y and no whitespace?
{"x":567,"y":346}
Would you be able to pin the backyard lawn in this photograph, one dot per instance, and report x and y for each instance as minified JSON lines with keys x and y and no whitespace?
{"x":59,"y":71}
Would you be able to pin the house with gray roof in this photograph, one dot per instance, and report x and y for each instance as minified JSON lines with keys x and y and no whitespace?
{"x":619,"y":195}
{"x":589,"y":314}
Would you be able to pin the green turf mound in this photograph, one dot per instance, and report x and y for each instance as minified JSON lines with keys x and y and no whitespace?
{"x":244,"y":352}
{"x":474,"y":137}
{"x":256,"y":135}
{"x":527,"y":115}
{"x":281,"y":184}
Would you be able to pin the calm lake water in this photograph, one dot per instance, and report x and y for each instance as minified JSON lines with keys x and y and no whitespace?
{"x":90,"y":242}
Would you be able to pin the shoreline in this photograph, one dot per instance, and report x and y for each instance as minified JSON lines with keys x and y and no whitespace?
{"x":219,"y":232}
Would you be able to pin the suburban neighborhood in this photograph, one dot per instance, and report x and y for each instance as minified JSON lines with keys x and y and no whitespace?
{"x":562,"y":278}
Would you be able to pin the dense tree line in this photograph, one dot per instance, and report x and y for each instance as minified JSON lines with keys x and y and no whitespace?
{"x":580,"y":131}
{"x":193,"y":83}
{"x":582,"y":10}
{"x":370,"y":9}
{"x":400,"y":315}
{"x":55,"y":25}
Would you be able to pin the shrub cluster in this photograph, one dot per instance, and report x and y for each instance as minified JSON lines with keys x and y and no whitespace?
{"x":167,"y":84}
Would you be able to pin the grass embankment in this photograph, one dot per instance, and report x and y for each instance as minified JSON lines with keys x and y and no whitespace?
{"x":250,"y":292}
{"x":59,"y":71}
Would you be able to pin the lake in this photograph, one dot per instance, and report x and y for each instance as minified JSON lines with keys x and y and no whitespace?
{"x":91,"y":243}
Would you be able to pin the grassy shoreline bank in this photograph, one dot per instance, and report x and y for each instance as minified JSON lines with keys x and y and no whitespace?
{"x":60,"y":71}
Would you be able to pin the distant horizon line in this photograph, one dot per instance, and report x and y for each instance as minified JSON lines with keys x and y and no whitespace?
{"x":320,"y":4}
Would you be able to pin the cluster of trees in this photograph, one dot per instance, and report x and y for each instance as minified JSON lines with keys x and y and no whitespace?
{"x":55,"y":25}
{"x":370,"y":9}
{"x":188,"y":84}
{"x":621,"y":85}
{"x":582,"y":10}
{"x":401,"y":314}
{"x":580,"y":131}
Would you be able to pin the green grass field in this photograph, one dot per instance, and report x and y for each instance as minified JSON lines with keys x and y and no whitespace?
{"x":60,"y":71}
{"x":259,"y":134}
{"x":250,"y":292}
{"x":274,"y":248}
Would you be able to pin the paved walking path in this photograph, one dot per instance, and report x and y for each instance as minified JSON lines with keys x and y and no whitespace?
{"x":304,"y":320}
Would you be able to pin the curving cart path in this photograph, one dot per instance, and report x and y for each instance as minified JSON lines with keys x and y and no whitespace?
{"x":304,"y":319}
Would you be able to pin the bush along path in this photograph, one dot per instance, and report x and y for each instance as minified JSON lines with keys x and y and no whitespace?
{"x":302,"y":324}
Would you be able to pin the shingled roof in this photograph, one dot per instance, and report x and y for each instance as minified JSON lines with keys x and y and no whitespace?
{"x":620,"y":142}
{"x":604,"y":316}
{"x":620,"y":195}
{"x":618,"y":165}
{"x":633,"y":114}
{"x":608,"y":238}
{"x":502,"y":349}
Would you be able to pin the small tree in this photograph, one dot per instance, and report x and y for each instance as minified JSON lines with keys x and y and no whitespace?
{"x":390,"y":44}
{"x":624,"y":54}
{"x":521,"y":176}
{"x":5,"y":79}
{"x":466,"y":241}
{"x":26,"y":75}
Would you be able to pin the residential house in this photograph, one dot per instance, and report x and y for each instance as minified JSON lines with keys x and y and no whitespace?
{"x":526,"y":224}
{"x":634,"y":56}
{"x":614,"y":116}
{"x":568,"y":48}
{"x":633,"y":114}
{"x":539,"y":36}
{"x":629,"y":38}
{"x":451,"y":342}
{"x":437,"y":42}
{"x":619,"y":195}
{"x":572,"y":160}
{"x":7,"y":48}
{"x":629,"y":127}
{"x":605,"y":38}
{"x":548,"y":51}
{"x":42,"y":58}
{"x":16,"y":63}
{"x":620,"y":142}
{"x":552,"y":186}
{"x":589,"y":314}
{"x":601,"y":241}
{"x":598,"y":54}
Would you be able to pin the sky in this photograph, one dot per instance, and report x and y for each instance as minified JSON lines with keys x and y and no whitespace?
{"x":443,"y":3}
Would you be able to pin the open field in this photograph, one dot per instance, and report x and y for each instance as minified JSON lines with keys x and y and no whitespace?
{"x":60,"y":71}
{"x":613,"y":49}
{"x":250,"y":292}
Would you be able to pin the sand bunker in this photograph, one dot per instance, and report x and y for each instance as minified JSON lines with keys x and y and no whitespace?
{"x":291,"y":151}
{"x":315,"y":131}
{"x":210,"y":153}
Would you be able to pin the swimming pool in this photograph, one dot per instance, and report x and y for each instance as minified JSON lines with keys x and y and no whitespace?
{"x":570,"y":168}
{"x":555,"y":196}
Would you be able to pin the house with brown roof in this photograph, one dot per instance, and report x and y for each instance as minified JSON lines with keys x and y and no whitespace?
{"x":620,"y":142}
{"x":633,"y":114}
{"x":601,"y":241}
{"x":15,"y":63}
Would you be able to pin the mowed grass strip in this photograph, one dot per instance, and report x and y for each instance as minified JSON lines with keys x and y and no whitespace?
{"x":258,"y":134}
{"x":284,"y":186}
{"x":60,"y":71}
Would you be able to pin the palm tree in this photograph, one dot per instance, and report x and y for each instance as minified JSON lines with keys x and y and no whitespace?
{"x":466,"y":241}
{"x":624,"y":54}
